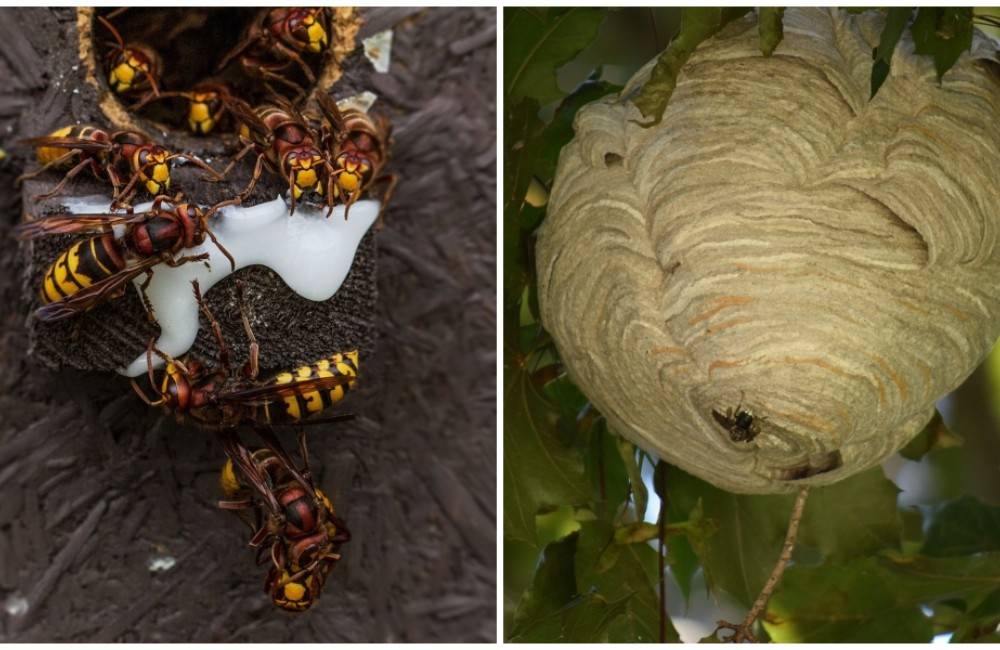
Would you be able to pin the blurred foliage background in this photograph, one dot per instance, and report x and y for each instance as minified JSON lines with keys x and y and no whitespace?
{"x":604,"y":543}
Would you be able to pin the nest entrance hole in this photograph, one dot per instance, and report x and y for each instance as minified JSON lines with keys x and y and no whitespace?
{"x":191,"y":43}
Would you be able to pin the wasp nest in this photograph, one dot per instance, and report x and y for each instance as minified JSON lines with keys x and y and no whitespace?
{"x":780,"y":247}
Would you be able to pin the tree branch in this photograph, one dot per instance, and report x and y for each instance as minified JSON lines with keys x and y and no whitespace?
{"x":743,"y":631}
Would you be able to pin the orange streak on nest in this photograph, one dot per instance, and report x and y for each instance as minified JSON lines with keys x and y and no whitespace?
{"x":881,"y":390}
{"x":825,"y":365}
{"x":783,"y":270}
{"x":726,"y":364}
{"x":719,"y":304}
{"x":909,"y":305}
{"x":845,"y":416}
{"x":678,"y":371}
{"x":810,"y":422}
{"x":925,"y":371}
{"x":760,"y":269}
{"x":926,"y":133}
{"x":893,"y":375}
{"x":667,"y":350}
{"x":727,"y":324}
{"x":961,"y":315}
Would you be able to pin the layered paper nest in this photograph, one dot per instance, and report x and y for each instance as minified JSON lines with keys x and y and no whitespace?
{"x":781,"y":244}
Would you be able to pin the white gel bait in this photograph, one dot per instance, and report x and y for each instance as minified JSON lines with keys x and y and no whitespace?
{"x":312,"y":254}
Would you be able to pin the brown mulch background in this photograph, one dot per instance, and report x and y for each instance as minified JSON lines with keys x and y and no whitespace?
{"x":94,"y":485}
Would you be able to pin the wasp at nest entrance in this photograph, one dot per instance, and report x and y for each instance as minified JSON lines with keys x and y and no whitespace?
{"x":182,"y":67}
{"x":740,"y":424}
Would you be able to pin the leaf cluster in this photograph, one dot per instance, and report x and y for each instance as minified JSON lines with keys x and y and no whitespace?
{"x":941,"y":33}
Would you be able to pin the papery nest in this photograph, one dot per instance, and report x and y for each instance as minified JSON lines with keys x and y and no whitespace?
{"x":783,"y":246}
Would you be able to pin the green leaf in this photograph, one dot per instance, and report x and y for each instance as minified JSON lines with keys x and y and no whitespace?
{"x":553,"y":587}
{"x":963,"y":527}
{"x":608,"y":478}
{"x":560,"y":130}
{"x":521,"y":127}
{"x":681,"y":554}
{"x":838,"y":604}
{"x":697,"y":25}
{"x":926,"y":580}
{"x":684,"y":531}
{"x":539,"y":470}
{"x":979,"y":625}
{"x":875,"y":600}
{"x":936,"y":435}
{"x":553,"y":525}
{"x":991,"y":370}
{"x":852,"y":518}
{"x":552,"y":609}
{"x":990,"y":637}
{"x":895,"y":23}
{"x":696,"y":528}
{"x":751,"y":529}
{"x":880,"y":72}
{"x":942,"y":33}
{"x":591,"y":619}
{"x":636,"y":533}
{"x":913,"y":530}
{"x":640,"y":494}
{"x":617,"y":571}
{"x":537,"y":42}
{"x":585,"y":620}
{"x":566,"y":396}
{"x":520,"y":561}
{"x":530,"y":216}
{"x":770,"y":28}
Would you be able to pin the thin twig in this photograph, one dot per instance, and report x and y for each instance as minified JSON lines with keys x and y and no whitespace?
{"x":786,"y":556}
{"x":660,"y":474}
{"x":743,"y":631}
{"x":602,"y":482}
{"x":656,"y":36}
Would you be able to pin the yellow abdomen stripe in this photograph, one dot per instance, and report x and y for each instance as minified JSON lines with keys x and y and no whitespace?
{"x":48,"y":154}
{"x":308,"y":402}
{"x":228,"y":480}
{"x":80,"y":266}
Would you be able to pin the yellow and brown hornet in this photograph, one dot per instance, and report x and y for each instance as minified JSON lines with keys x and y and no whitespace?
{"x":108,"y":156}
{"x":98,"y":268}
{"x":291,"y":520}
{"x":358,"y":147}
{"x":277,"y":40}
{"x":204,"y":395}
{"x":206,"y":105}
{"x":285,"y":143}
{"x":132,"y":68}
{"x":290,"y":517}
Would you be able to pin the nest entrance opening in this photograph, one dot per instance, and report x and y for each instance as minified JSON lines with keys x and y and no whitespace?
{"x":190,"y":44}
{"x":190,"y":41}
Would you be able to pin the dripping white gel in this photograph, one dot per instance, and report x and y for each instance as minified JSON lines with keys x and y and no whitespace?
{"x":311,"y":253}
